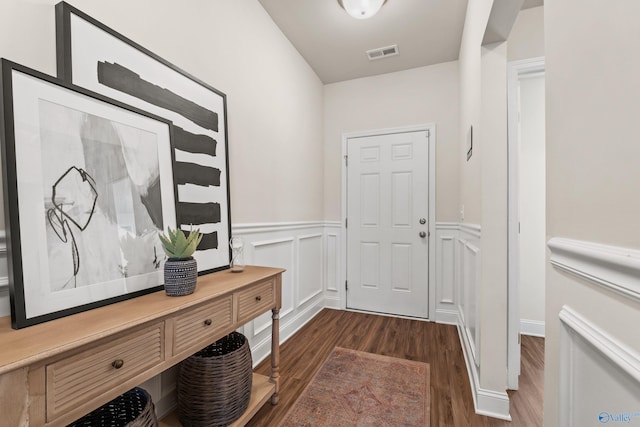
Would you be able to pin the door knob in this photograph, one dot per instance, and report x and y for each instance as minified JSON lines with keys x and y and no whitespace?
{"x":423,"y":221}
{"x":423,"y":234}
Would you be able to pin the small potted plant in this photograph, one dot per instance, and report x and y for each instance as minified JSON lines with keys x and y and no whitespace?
{"x":181,"y":269}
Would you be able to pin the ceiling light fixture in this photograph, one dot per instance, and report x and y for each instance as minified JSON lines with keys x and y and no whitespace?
{"x":361,"y":9}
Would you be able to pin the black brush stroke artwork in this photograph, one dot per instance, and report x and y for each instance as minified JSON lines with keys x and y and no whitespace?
{"x":193,"y":143}
{"x":209,"y":241}
{"x":191,"y":173}
{"x":124,"y":80}
{"x":65,"y":209}
{"x":199,"y":213}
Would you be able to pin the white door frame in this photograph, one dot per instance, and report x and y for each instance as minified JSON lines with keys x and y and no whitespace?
{"x":431,"y":221}
{"x":515,"y":70}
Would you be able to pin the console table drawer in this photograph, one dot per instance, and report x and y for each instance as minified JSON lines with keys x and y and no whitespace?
{"x":200,"y":326}
{"x":256,"y":300}
{"x":89,"y":374}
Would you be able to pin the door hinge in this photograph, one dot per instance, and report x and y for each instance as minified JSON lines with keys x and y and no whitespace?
{"x":346,"y":285}
{"x":346,"y":224}
{"x":518,"y":228}
{"x":346,"y":161}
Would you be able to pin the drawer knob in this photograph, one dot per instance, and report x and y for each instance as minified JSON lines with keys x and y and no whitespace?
{"x":118,"y":363}
{"x":258,"y":298}
{"x":208,"y":322}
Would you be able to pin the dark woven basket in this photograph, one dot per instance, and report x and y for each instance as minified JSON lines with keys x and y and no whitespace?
{"x":214,"y":385}
{"x":131,"y":409}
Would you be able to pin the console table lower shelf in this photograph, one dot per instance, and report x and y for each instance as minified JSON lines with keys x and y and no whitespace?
{"x":261,"y":391}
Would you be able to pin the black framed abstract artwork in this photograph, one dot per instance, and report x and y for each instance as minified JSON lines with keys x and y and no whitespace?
{"x":92,"y":55}
{"x":88,"y":184}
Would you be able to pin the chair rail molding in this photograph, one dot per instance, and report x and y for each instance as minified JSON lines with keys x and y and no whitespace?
{"x":613,"y":267}
{"x":267,"y":227}
{"x":474,"y":230}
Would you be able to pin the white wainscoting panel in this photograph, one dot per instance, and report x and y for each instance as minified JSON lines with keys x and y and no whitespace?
{"x":459,"y":279}
{"x":274,"y":252}
{"x":446,"y":294}
{"x":311,"y":264}
{"x":335,"y":268}
{"x":297,"y":247}
{"x":600,"y":376}
{"x":5,"y":303}
{"x":467,"y":274}
{"x":471,"y":282}
{"x":469,"y":246}
{"x":333,"y":263}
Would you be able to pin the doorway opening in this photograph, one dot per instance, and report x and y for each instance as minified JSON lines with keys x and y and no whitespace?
{"x":526,"y":223}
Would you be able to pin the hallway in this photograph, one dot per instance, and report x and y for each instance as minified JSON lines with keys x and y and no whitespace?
{"x":436,"y":344}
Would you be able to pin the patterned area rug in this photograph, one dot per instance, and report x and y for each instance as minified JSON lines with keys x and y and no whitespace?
{"x":353,"y":388}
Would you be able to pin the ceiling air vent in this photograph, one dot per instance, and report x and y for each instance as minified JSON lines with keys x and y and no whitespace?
{"x":382,"y":52}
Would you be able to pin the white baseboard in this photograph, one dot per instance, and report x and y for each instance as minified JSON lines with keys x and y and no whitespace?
{"x":333,"y":302}
{"x":485,"y":402}
{"x":493,"y":404}
{"x":165,"y":405}
{"x":534,"y":328}
{"x":447,"y":317}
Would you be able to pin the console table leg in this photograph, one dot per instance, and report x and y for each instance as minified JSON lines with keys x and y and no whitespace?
{"x":275,"y":353}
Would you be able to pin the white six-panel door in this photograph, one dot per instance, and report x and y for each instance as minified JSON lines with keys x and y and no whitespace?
{"x":387,"y":231}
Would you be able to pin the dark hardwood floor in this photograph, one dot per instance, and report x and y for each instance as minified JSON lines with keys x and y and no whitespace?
{"x":438,"y":345}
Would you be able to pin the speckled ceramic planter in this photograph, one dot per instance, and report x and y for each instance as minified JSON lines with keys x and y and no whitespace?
{"x":180,"y":276}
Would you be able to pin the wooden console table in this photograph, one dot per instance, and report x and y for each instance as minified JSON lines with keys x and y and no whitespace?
{"x":54,"y":373}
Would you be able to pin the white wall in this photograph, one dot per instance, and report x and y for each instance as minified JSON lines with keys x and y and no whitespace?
{"x":483,"y":189}
{"x":492,"y":136}
{"x":592,"y":66}
{"x":526,"y":39}
{"x":533,"y":252}
{"x":470,"y":105}
{"x":418,"y":96}
{"x":274,"y":98}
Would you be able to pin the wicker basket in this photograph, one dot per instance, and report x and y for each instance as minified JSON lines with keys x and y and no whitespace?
{"x":214,"y":385}
{"x":131,"y":409}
